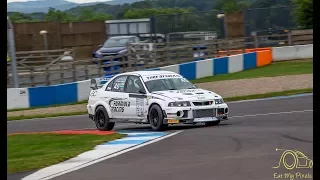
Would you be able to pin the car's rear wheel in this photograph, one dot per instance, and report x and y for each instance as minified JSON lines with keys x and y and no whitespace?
{"x":102,"y":120}
{"x":212,"y":123}
{"x":156,"y":118}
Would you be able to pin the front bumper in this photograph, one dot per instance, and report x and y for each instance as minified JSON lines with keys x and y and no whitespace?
{"x":195,"y":114}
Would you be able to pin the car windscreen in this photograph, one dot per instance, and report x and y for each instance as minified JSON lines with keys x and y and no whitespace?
{"x":169,"y":84}
{"x":116,"y":42}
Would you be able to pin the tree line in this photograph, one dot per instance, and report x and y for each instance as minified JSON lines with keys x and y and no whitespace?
{"x":303,"y":10}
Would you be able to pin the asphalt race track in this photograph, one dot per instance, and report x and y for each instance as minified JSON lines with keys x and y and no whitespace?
{"x":244,"y":147}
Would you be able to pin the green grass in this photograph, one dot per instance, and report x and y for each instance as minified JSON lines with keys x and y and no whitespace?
{"x":272,"y":94}
{"x":275,"y":69}
{"x":35,"y":151}
{"x":10,"y":118}
{"x":255,"y":96}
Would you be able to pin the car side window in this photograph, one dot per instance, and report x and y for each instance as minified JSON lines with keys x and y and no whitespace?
{"x":118,"y":84}
{"x":134,"y":85}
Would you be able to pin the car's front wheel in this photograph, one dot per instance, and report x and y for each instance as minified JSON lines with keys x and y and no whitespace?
{"x":102,"y":120}
{"x":156,"y":118}
{"x":212,"y":123}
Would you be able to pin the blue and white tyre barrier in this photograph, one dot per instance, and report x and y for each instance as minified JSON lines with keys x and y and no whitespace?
{"x":79,"y":91}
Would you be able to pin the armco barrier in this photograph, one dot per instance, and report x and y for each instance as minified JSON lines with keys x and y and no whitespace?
{"x":292,"y":52}
{"x":79,"y":91}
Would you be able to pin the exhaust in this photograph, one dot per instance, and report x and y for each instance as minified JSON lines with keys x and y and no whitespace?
{"x":180,"y":114}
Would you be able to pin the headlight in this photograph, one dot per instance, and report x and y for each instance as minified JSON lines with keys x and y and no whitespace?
{"x":218,"y":101}
{"x":179,"y":104}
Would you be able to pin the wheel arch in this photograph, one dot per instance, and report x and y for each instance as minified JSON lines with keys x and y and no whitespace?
{"x":105,"y":105}
{"x":152,"y":104}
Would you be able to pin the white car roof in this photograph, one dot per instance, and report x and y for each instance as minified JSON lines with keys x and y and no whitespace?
{"x":146,"y":74}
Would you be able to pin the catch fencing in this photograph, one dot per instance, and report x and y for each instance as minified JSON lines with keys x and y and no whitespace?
{"x":185,"y":22}
{"x":269,"y":19}
{"x":231,"y":24}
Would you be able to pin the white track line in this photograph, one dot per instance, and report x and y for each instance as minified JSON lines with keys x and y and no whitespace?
{"x":275,"y":113}
{"x":107,"y":157}
{"x":271,"y":98}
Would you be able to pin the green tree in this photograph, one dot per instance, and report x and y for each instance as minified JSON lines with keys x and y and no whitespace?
{"x":88,"y":15}
{"x":146,"y":13}
{"x":304,"y":13}
{"x":17,"y":17}
{"x":270,"y":3}
{"x":57,"y":15}
{"x":231,"y":5}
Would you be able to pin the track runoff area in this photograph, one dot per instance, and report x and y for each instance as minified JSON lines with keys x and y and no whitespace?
{"x":263,"y":139}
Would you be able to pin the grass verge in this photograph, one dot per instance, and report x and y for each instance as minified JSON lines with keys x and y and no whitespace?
{"x":272,"y":94}
{"x":237,"y":98}
{"x":46,"y":115}
{"x":275,"y":69}
{"x":35,"y":151}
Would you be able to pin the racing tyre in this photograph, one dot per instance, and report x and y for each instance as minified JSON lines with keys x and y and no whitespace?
{"x":212,"y":123}
{"x":102,"y":120}
{"x":156,"y":118}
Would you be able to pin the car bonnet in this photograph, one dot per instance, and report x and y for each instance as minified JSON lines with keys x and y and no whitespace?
{"x":188,"y":94}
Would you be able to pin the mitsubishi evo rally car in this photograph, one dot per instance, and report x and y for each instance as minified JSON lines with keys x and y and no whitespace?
{"x":157,"y":98}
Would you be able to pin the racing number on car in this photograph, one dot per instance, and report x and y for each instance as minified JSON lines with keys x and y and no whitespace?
{"x":93,"y":93}
{"x":140,"y":106}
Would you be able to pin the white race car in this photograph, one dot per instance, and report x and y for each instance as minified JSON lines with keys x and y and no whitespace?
{"x":157,"y":98}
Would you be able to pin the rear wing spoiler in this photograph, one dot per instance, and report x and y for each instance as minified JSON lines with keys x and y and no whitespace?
{"x":97,"y":83}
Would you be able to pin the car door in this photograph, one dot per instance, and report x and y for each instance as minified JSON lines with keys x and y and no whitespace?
{"x":137,"y":97}
{"x":116,"y":97}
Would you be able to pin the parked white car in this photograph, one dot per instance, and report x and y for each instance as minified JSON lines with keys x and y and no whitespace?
{"x":157,"y":98}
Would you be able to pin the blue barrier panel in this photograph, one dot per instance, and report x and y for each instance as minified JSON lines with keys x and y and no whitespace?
{"x":41,"y":96}
{"x":188,"y":70}
{"x":220,"y":65}
{"x":51,"y":95}
{"x":249,"y":61}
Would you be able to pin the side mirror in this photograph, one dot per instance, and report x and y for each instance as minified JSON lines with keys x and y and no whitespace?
{"x":100,"y":46}
{"x":93,"y":84}
{"x":195,"y":86}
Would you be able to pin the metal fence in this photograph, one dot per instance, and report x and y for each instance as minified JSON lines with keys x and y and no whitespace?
{"x":274,"y":18}
{"x":186,"y":22}
{"x":140,"y":56}
{"x":258,"y":19}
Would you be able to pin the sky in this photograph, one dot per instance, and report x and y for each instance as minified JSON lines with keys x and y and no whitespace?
{"x":75,"y":1}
